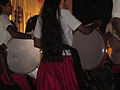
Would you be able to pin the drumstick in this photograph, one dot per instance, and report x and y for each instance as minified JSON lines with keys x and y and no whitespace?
{"x":91,"y":25}
{"x":87,"y":25}
{"x":95,"y":24}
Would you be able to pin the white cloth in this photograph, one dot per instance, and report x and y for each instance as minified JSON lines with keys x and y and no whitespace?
{"x":4,"y":34}
{"x":69,"y":24}
{"x":33,"y":74}
{"x":109,"y":28}
{"x":116,"y":8}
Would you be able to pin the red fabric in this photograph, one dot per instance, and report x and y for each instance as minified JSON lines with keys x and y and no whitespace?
{"x":16,"y":78}
{"x":57,"y":75}
{"x":116,"y":68}
{"x":21,"y":80}
{"x":34,"y":82}
{"x":5,"y":77}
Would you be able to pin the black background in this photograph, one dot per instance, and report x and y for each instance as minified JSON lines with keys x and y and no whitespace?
{"x":89,"y":10}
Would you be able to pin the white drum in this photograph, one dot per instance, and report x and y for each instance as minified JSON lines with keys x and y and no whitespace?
{"x":91,"y":48}
{"x":23,"y":57}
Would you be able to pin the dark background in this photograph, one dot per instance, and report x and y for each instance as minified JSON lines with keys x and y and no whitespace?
{"x":89,"y":10}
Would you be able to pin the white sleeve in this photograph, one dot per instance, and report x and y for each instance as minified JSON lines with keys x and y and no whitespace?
{"x":6,"y":22}
{"x":108,"y":28}
{"x":116,"y":8}
{"x":70,"y":19}
{"x":37,"y":32}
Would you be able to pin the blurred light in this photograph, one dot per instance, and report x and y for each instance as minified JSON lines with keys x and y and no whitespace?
{"x":40,"y":1}
{"x":10,"y":17}
{"x":103,"y":50}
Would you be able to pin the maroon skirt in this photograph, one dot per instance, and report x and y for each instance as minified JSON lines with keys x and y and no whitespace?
{"x":57,"y":75}
{"x":116,"y":69}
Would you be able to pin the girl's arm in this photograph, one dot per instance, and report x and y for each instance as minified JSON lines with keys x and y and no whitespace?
{"x":87,"y":29}
{"x":16,"y":34}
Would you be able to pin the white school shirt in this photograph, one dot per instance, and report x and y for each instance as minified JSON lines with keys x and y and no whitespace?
{"x":116,"y":8}
{"x":69,"y":24}
{"x":4,"y":34}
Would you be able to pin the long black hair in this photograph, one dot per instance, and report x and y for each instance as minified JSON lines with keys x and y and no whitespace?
{"x":3,"y":2}
{"x":52,"y":32}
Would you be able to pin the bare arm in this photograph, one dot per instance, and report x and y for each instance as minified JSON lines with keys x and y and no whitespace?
{"x":84,"y":30}
{"x":16,"y":34}
{"x":87,"y":29}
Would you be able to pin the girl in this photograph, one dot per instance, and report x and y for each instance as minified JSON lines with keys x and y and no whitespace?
{"x":53,"y":34}
{"x":7,"y":31}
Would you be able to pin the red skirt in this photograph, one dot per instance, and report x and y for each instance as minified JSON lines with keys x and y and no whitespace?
{"x":57,"y":75}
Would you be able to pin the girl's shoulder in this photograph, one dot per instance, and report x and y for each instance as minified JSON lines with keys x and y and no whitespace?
{"x":39,"y":19}
{"x":64,"y":11}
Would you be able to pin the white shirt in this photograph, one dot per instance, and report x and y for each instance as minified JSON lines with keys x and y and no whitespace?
{"x":116,"y":8}
{"x":69,"y":24}
{"x":109,"y":28}
{"x":4,"y":34}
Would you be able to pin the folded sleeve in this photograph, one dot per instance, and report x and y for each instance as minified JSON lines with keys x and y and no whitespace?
{"x":70,"y":19}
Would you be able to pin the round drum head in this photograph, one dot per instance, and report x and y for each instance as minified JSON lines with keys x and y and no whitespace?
{"x":23,"y":57}
{"x":91,"y":49}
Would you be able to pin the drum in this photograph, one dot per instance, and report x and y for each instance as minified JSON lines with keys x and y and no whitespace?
{"x":23,"y":57}
{"x":115,"y":52}
{"x":91,"y":48}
